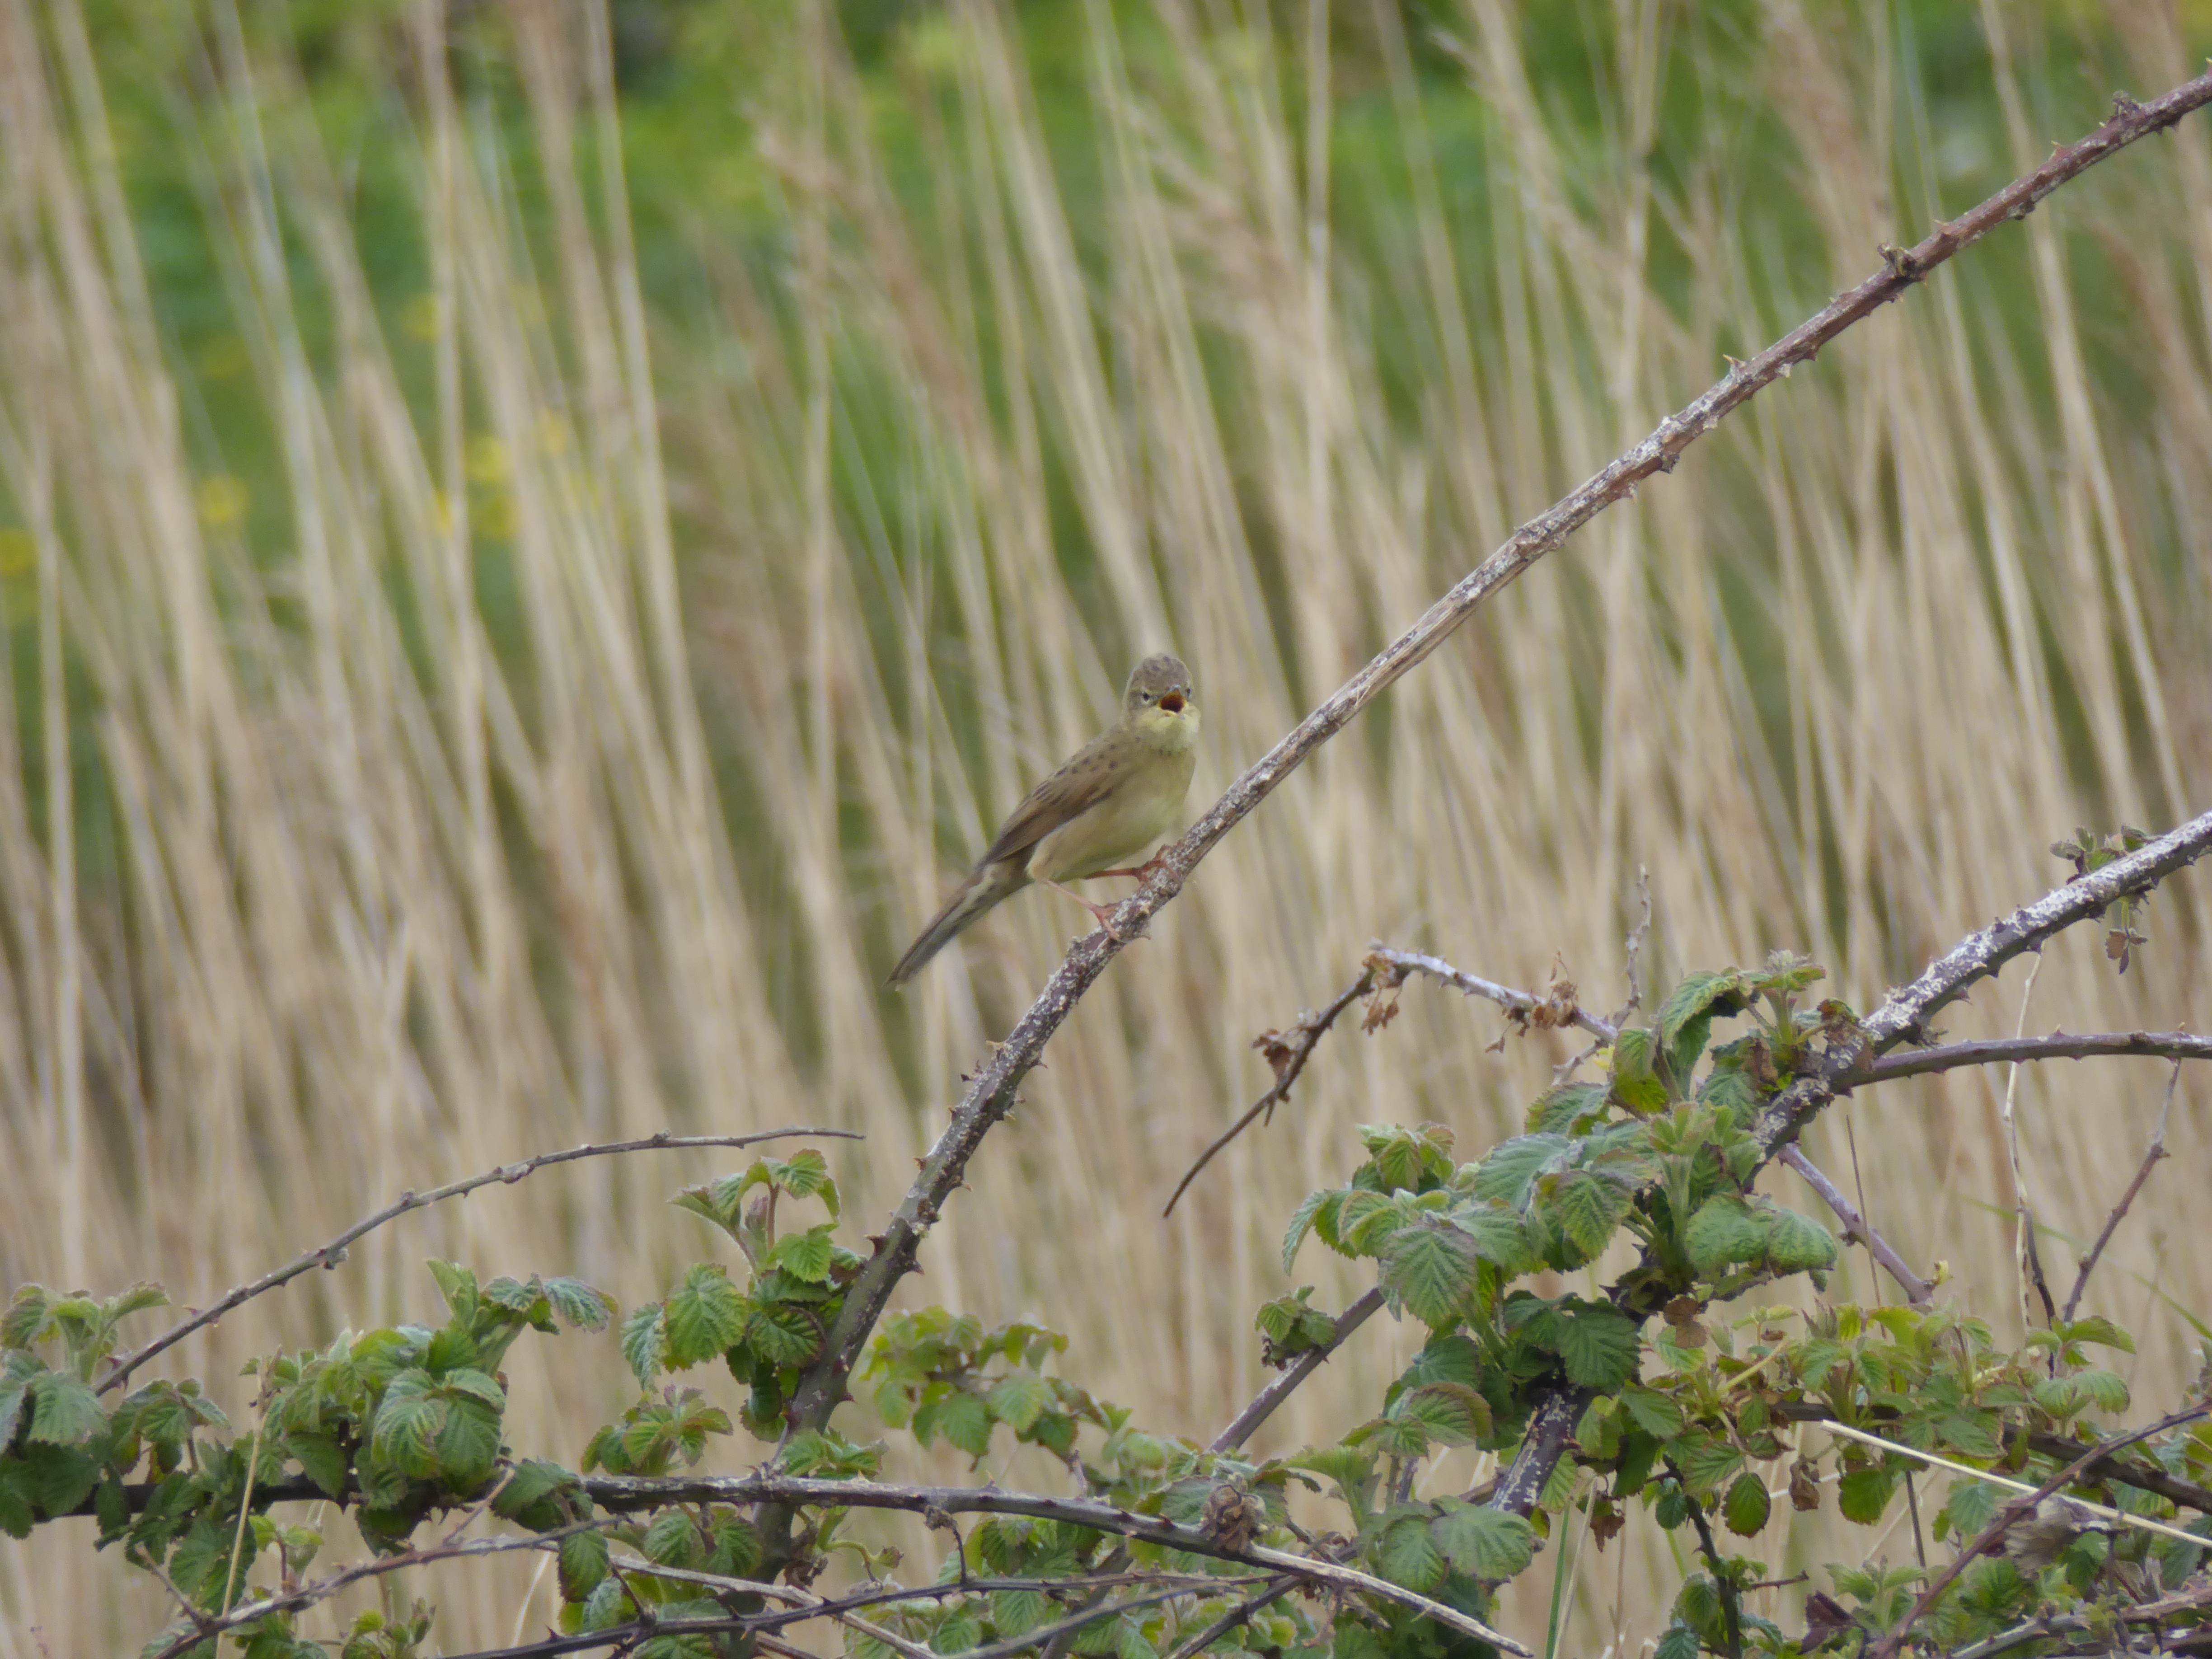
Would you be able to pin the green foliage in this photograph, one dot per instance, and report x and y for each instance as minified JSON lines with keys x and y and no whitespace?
{"x":1691,"y":1412}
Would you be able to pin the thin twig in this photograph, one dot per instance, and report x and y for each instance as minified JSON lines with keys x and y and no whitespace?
{"x":1936,"y":1460}
{"x":330,"y":1255}
{"x":991,"y":1091}
{"x":2028,"y":1263}
{"x":2059,"y":1045}
{"x":323,"y":1589}
{"x":1288,"y":1059}
{"x":2001,"y":1522}
{"x":1235,"y":1619}
{"x":793,"y":1492}
{"x":1917,"y":1290}
{"x":1262,"y":1404}
{"x":1731,"y":1613}
{"x":2151,"y":1157}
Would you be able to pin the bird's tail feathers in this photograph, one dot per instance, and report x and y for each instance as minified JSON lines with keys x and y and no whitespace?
{"x":978,"y":894}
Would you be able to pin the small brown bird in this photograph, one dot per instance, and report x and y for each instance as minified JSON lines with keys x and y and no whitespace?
{"x":1118,"y":795}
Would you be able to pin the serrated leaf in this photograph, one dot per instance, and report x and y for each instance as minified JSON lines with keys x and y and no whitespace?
{"x":1705,"y":1460}
{"x":1863,"y":1494}
{"x":61,"y":1477}
{"x":734,"y":1546}
{"x":1449,"y":1414}
{"x":1566,"y":1110}
{"x":582,"y":1307}
{"x":1588,"y":1209}
{"x":583,"y":1565}
{"x":703,"y":1316}
{"x":65,"y":1411}
{"x":1655,"y":1414}
{"x":1747,"y":1506}
{"x":1512,"y":1167}
{"x":673,"y":1540}
{"x":1499,"y":1237}
{"x":1301,"y":1224}
{"x":529,"y":1484}
{"x":1796,"y":1243}
{"x":964,"y":1420}
{"x":1485,"y":1544}
{"x":1407,"y":1554}
{"x":1433,"y":1270}
{"x":1972,"y":1505}
{"x":1725,"y":1230}
{"x":2106,"y":1389}
{"x":320,"y":1459}
{"x":1686,"y":1017}
{"x":644,"y":1343}
{"x":1680,"y":1642}
{"x":1451,"y":1359}
{"x":200,"y":1563}
{"x":15,"y":1378}
{"x":1598,"y":1345}
{"x":784,"y":1334}
{"x":805,"y":1173}
{"x":804,"y":1255}
{"x":1636,"y":1081}
{"x":1732,"y":1090}
{"x":2102,"y":1332}
{"x":1019,"y":1400}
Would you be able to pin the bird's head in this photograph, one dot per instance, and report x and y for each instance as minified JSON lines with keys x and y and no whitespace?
{"x":1158,"y":704}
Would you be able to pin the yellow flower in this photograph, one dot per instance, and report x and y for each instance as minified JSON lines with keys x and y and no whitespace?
{"x":223,"y":501}
{"x":487,"y":460}
{"x":422,"y":316}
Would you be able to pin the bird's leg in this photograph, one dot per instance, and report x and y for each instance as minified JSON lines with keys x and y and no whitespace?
{"x":1144,"y":871}
{"x":1102,"y":913}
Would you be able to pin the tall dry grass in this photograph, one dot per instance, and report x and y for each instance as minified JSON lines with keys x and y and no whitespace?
{"x":562,"y":739}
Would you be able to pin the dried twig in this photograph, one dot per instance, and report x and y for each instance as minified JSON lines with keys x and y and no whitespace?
{"x":2059,"y":1045}
{"x":1287,"y":1052}
{"x":1917,"y":1290}
{"x":793,"y":1491}
{"x":2151,"y":1157}
{"x":330,"y":1255}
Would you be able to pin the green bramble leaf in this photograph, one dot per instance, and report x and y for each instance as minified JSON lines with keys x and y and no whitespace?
{"x":2102,"y":1332}
{"x":1512,"y":1167}
{"x":1747,"y":1506}
{"x":1567,"y":1109}
{"x":1636,"y":1081}
{"x":583,"y":1565}
{"x":582,"y":1307}
{"x":784,"y":1335}
{"x":1863,"y":1494}
{"x":1725,"y":1230}
{"x":1500,"y":1238}
{"x":1431,"y":1269}
{"x":65,"y":1411}
{"x":1685,"y":1018}
{"x":805,"y":1173}
{"x":1588,"y":1209}
{"x":734,"y":1545}
{"x":1705,"y":1460}
{"x":1597,"y":1345}
{"x":1485,"y":1544}
{"x":1449,"y":1414}
{"x":1655,"y":1413}
{"x":1019,"y":1400}
{"x":673,"y":1540}
{"x":704,"y":1315}
{"x":526,"y":1493}
{"x":645,"y":1342}
{"x":1796,"y":1243}
{"x":1301,"y":1224}
{"x":1407,"y":1554}
{"x":16,"y":1373}
{"x":1972,"y":1505}
{"x":805,"y":1256}
{"x":321,"y":1459}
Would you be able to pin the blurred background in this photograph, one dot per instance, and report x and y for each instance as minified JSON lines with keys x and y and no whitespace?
{"x":538,"y":538}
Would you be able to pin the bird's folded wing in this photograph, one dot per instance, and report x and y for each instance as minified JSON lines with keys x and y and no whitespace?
{"x":1067,"y":794}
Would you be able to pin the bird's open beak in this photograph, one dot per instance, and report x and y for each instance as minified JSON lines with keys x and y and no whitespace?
{"x":1172,"y":703}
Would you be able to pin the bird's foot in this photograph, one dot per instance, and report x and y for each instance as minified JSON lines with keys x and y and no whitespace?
{"x":1102,"y":914}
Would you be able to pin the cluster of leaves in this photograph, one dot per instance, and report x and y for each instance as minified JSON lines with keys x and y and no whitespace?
{"x":397,"y":1422}
{"x":1660,"y":1152}
{"x":2086,"y":851}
